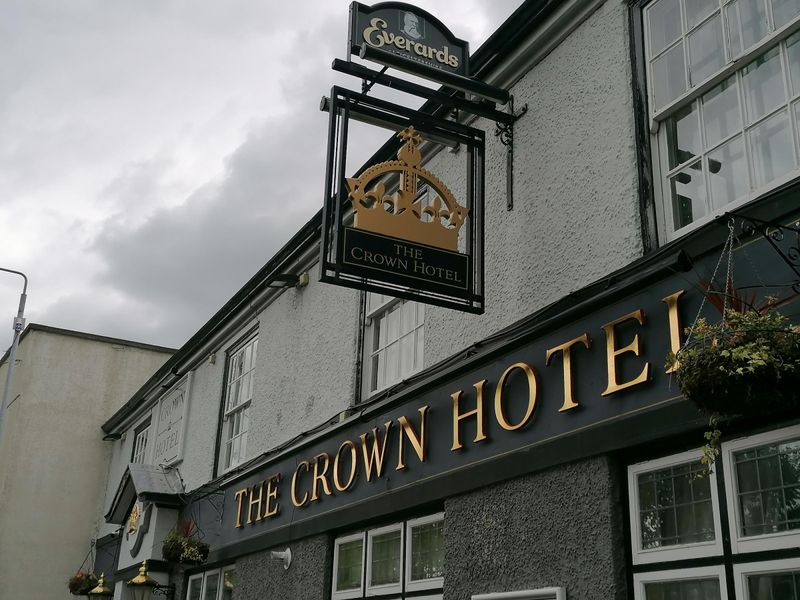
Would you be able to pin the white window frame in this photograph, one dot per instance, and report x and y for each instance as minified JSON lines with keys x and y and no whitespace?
{"x":389,"y":588}
{"x":640,"y":579}
{"x":204,"y":576}
{"x":768,"y":541}
{"x":355,"y":593}
{"x":201,"y":577}
{"x":141,"y":434}
{"x":741,"y":571}
{"x":677,"y":552}
{"x":420,"y":584}
{"x":229,"y":413}
{"x":551,"y":593}
{"x":369,"y":348}
{"x":733,"y":63}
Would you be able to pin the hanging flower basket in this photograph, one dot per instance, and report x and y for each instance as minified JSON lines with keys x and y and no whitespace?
{"x":181,"y":545}
{"x":81,"y":583}
{"x":747,"y":364}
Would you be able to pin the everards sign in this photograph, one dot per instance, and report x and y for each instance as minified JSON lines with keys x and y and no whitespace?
{"x":408,"y":32}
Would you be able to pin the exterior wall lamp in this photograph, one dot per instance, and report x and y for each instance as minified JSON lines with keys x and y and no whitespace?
{"x":143,"y":586}
{"x":101,"y":591}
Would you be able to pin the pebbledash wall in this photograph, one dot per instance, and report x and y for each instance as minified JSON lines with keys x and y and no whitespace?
{"x":548,"y":503}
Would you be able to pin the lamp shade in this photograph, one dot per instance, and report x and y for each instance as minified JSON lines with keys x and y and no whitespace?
{"x":142,"y":585}
{"x":101,"y":590}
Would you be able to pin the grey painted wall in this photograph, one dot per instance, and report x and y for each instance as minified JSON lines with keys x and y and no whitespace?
{"x":309,"y":578}
{"x":560,"y":527}
{"x":576,"y":207}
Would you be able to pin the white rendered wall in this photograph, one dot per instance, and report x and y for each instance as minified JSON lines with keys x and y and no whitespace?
{"x":53,"y":460}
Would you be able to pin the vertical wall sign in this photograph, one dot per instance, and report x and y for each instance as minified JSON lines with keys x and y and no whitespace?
{"x":410,"y":33}
{"x":170,"y":426}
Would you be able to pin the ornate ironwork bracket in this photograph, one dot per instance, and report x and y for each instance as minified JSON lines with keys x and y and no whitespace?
{"x":505,"y":131}
{"x":784,"y":240}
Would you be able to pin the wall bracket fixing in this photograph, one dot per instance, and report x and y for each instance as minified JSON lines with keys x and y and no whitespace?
{"x":505,"y":131}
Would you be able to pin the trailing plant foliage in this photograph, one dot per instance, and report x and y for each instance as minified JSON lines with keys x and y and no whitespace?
{"x":181,"y":545}
{"x":746,"y":364}
{"x":81,"y":583}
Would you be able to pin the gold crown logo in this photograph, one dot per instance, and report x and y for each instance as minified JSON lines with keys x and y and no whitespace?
{"x":403,"y":214}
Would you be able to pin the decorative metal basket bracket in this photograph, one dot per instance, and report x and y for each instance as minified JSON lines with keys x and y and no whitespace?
{"x":505,"y":131}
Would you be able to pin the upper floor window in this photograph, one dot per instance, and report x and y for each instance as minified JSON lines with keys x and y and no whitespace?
{"x":394,"y":341}
{"x":238,"y":396}
{"x":141,"y":434}
{"x":217,"y":584}
{"x":724,"y":95}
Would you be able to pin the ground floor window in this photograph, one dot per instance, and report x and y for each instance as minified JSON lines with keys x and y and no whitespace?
{"x":217,"y":584}
{"x":677,"y":524}
{"x":391,"y":560}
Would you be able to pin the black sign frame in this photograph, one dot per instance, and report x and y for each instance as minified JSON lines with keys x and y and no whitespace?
{"x":346,"y":105}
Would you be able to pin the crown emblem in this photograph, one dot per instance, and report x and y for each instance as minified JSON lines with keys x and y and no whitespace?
{"x":407,"y":214}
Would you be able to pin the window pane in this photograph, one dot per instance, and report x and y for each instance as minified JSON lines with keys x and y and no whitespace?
{"x":727,"y":173}
{"x":774,"y":586}
{"x":669,"y":76}
{"x":771,"y":147}
{"x":665,"y":24}
{"x":427,"y":551}
{"x":691,"y":589}
{"x":195,"y":587}
{"x":688,"y":195}
{"x":763,"y":85}
{"x":386,"y":558}
{"x":392,"y":363}
{"x":768,"y":488}
{"x":721,"y":116}
{"x":784,"y":11}
{"x":675,"y":507}
{"x":793,"y":50}
{"x":212,"y":586}
{"x":420,"y":348}
{"x":697,"y":10}
{"x":348,"y":571}
{"x":683,"y":135}
{"x":228,"y":582}
{"x":747,"y":23}
{"x":407,"y":354}
{"x":409,"y":317}
{"x":706,"y":50}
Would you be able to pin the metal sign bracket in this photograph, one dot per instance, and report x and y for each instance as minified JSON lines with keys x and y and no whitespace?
{"x":505,"y":131}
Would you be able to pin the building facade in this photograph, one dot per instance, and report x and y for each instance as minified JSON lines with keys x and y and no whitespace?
{"x":541,"y":449}
{"x":66,"y":384}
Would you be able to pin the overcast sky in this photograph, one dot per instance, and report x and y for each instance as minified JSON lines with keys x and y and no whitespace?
{"x":155,"y":153}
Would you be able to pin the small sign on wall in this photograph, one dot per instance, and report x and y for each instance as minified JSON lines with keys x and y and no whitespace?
{"x":170,"y":426}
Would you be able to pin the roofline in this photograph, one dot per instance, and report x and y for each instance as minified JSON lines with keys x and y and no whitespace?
{"x":493,"y":49}
{"x":86,"y":336}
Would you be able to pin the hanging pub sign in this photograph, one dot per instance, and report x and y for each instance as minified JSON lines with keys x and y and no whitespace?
{"x":410,"y":34}
{"x":395,"y":227}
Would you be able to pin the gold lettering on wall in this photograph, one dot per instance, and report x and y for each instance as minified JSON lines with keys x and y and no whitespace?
{"x":320,"y":475}
{"x":566,"y":349}
{"x":674,"y":325}
{"x":417,"y":442}
{"x":530,"y":373}
{"x":255,"y":501}
{"x":612,"y":352}
{"x":272,"y":507}
{"x":239,"y":495}
{"x":477,"y":413}
{"x":337,"y":482}
{"x":307,"y":467}
{"x":373,"y":453}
